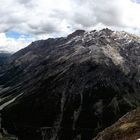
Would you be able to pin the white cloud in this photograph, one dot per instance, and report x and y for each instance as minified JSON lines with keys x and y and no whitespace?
{"x":53,"y":16}
{"x":11,"y":44}
{"x":44,"y":18}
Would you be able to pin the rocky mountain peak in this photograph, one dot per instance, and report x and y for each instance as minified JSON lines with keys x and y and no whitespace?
{"x":76,"y":33}
{"x":70,"y":88}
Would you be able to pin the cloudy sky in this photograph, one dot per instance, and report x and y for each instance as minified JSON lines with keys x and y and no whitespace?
{"x":23,"y":21}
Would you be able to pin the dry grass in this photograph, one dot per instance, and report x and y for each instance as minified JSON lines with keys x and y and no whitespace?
{"x":128,"y":126}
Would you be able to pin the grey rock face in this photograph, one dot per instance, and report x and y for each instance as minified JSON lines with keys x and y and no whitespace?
{"x":71,"y":88}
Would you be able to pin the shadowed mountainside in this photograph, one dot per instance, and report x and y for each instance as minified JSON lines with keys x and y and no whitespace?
{"x":70,"y":88}
{"x":3,"y":57}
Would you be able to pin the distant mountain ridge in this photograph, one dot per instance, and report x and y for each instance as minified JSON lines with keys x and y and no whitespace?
{"x":4,"y":56}
{"x":70,"y":88}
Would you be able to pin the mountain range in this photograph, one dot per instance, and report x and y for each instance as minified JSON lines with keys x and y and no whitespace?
{"x":72,"y":88}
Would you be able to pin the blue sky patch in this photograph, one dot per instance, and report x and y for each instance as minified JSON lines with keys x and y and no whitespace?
{"x":137,"y":1}
{"x":16,"y":35}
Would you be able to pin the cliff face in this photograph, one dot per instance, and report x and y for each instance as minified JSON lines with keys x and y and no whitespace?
{"x":70,"y":88}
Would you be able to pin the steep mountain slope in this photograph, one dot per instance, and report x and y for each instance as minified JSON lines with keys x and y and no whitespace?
{"x":126,"y":128}
{"x":70,"y":88}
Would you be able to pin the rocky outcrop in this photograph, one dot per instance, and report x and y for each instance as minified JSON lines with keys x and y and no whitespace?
{"x":70,"y":88}
{"x":126,"y":128}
